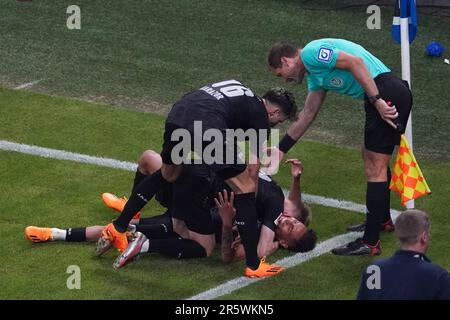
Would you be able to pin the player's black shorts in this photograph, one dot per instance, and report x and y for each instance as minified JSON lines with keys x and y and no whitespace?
{"x":223,"y":169}
{"x":168,"y":144}
{"x":193,"y":198}
{"x":379,"y":136}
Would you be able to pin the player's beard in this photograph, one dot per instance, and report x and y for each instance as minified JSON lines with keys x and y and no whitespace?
{"x":300,"y":77}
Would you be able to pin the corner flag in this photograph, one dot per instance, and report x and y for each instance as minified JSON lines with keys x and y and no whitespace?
{"x":404,"y":29}
{"x":407,"y":178}
{"x":404,"y":9}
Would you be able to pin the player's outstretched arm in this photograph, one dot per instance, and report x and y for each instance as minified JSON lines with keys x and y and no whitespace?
{"x":313,"y":103}
{"x":295,"y":193}
{"x":227,"y":213}
{"x":267,"y":244}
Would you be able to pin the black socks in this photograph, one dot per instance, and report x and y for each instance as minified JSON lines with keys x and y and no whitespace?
{"x":139,"y":198}
{"x":246,"y":220}
{"x":138,"y":177}
{"x":157,"y":231}
{"x":164,"y":218}
{"x":177,"y":248}
{"x":377,"y":202}
{"x":76,"y":235}
{"x":387,"y":214}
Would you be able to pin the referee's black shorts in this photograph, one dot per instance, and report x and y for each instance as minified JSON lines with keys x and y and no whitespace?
{"x":223,"y":169}
{"x":379,"y":136}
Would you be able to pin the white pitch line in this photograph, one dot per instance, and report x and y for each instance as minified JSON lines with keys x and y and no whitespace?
{"x":65,"y":155}
{"x":27,"y":85}
{"x":341,"y":204}
{"x":288,"y":262}
{"x":124,"y":165}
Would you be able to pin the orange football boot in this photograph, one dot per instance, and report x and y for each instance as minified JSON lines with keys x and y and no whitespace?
{"x":264,"y":270}
{"x":116,"y":238}
{"x":116,"y":203}
{"x":36,"y":234}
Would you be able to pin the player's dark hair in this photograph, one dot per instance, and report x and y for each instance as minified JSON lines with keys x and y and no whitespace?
{"x":305,"y":243}
{"x":278,"y":50}
{"x":284,"y":99}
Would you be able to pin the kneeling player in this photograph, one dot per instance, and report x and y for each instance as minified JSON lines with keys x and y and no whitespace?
{"x":277,"y":228}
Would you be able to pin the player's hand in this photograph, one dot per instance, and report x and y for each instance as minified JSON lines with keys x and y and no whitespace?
{"x":225,"y":206}
{"x":275,"y":245}
{"x":236,"y":243}
{"x":270,"y":165}
{"x":388,"y":113}
{"x":296,"y":167}
{"x":239,"y":253}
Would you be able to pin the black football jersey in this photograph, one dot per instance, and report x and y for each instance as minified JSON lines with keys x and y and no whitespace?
{"x":222,"y":105}
{"x":269,"y":201}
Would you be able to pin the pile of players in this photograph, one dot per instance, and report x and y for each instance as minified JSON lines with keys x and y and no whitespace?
{"x":232,"y":203}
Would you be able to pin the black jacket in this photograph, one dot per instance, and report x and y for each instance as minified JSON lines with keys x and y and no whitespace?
{"x":407,"y":275}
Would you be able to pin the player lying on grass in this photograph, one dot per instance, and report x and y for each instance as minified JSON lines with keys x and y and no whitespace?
{"x":188,"y":207}
{"x":277,"y":227}
{"x":159,"y":228}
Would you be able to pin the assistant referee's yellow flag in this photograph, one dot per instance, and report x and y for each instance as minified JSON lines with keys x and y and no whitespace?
{"x":407,"y":178}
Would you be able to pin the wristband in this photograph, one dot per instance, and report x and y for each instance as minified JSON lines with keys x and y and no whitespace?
{"x":373,"y":99}
{"x":286,"y":143}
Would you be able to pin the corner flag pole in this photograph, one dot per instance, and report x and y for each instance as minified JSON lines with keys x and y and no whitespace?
{"x":407,"y":17}
{"x":406,"y":73}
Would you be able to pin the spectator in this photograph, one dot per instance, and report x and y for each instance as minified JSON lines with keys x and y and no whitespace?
{"x":409,"y":274}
